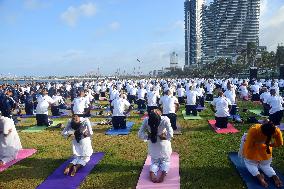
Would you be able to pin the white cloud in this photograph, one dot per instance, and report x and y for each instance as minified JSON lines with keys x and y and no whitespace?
{"x":72,"y":15}
{"x":263,"y":7}
{"x":114,"y":25}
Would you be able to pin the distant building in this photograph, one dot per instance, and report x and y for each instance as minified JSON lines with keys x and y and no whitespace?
{"x":220,"y":29}
{"x":193,"y":33}
{"x":173,"y":60}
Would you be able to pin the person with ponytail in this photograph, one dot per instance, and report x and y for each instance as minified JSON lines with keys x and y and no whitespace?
{"x":257,"y":151}
{"x":158,"y":132}
{"x":80,"y":130}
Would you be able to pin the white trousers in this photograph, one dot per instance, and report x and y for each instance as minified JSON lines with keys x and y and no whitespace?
{"x":253,"y":167}
{"x":162,"y":164}
{"x":82,"y":160}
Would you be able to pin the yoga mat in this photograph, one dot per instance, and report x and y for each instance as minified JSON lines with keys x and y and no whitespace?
{"x":64,"y":114}
{"x":57,"y":180}
{"x":201,"y":108}
{"x":171,"y":181}
{"x":22,"y":154}
{"x":250,"y":181}
{"x":121,"y":131}
{"x":144,"y":116}
{"x":36,"y":129}
{"x":230,"y":128}
{"x":257,"y":112}
{"x":27,"y":116}
{"x":190,"y":117}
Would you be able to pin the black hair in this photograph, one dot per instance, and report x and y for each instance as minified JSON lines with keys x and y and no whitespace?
{"x":154,"y":122}
{"x":268,"y":129}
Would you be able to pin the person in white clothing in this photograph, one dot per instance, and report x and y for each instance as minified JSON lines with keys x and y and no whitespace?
{"x":255,"y":92}
{"x":221,"y":106}
{"x":80,"y":130}
{"x":10,"y":143}
{"x":276,"y":107}
{"x":231,"y":95}
{"x":121,"y":107}
{"x":170,"y":107}
{"x":43,"y":102}
{"x":181,"y":94}
{"x":58,"y":99}
{"x":80,"y":104}
{"x":158,"y":132}
{"x":152,"y":98}
{"x":141,"y":102}
{"x":191,"y":97}
{"x":263,"y":99}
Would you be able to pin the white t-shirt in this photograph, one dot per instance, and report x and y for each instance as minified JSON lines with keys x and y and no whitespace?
{"x":141,"y":93}
{"x":275,"y":103}
{"x":152,"y":98}
{"x":57,"y":100}
{"x":264,"y":96}
{"x":43,"y":104}
{"x":119,"y":106}
{"x":191,"y":97}
{"x":231,"y":95}
{"x":80,"y":103}
{"x":168,"y":103}
{"x":222,"y":106}
{"x":181,"y":92}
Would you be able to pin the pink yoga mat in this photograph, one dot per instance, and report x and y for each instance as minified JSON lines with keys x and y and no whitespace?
{"x":24,"y":153}
{"x":172,"y":180}
{"x":230,"y":128}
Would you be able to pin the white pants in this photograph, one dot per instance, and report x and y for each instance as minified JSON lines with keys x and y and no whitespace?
{"x":264,"y":165}
{"x":82,"y":160}
{"x":162,"y":164}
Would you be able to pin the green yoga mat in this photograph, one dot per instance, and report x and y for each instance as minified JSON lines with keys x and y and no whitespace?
{"x":190,"y":117}
{"x":257,"y":112}
{"x":36,"y":129}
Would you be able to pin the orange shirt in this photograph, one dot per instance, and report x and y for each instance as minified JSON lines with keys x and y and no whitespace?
{"x":255,"y":147}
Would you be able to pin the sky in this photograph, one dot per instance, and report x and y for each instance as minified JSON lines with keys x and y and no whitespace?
{"x":75,"y":37}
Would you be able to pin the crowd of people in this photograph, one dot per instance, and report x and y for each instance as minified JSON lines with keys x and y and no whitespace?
{"x":159,"y":98}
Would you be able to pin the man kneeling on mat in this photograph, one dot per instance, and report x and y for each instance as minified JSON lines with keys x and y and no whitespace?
{"x":257,"y":151}
{"x":80,"y":130}
{"x":158,"y":131}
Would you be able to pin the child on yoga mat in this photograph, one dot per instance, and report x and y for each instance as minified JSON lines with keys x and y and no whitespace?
{"x":158,"y":131}
{"x":257,"y":151}
{"x":10,"y":143}
{"x":80,"y":130}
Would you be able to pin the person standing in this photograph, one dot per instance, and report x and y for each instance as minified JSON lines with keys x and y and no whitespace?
{"x":43,"y":103}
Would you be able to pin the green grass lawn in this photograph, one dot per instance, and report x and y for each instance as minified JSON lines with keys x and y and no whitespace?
{"x":203,"y":154}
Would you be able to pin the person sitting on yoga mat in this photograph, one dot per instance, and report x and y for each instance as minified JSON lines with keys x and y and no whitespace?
{"x":191,"y":98}
{"x":10,"y":143}
{"x":158,"y":131}
{"x":80,"y":130}
{"x":43,"y":102}
{"x":257,"y":151}
{"x":119,"y":105}
{"x":222,"y":110}
{"x":80,"y":104}
{"x":276,"y":107}
{"x":263,"y":99}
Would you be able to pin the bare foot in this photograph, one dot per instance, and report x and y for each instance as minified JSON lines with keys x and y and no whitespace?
{"x":262,"y":181}
{"x":153,"y":177}
{"x":163,"y":175}
{"x":67,"y":169}
{"x":74,"y":170}
{"x":277,"y":181}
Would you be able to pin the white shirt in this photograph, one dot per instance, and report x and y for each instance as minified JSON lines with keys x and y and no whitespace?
{"x":119,"y":106}
{"x":191,"y":97}
{"x":275,"y":103}
{"x":162,"y":148}
{"x":264,"y":96}
{"x":152,"y":98}
{"x":80,"y":103}
{"x":243,"y":90}
{"x":168,"y":103}
{"x":141,"y":93}
{"x":181,"y":92}
{"x":222,"y":106}
{"x":57,"y":100}
{"x":133,"y":91}
{"x":255,"y":89}
{"x":209,"y":88}
{"x":43,"y":104}
{"x":231,"y":95}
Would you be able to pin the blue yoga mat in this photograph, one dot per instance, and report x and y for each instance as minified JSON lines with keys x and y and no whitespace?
{"x":251,"y":182}
{"x":126,"y":131}
{"x":57,"y":180}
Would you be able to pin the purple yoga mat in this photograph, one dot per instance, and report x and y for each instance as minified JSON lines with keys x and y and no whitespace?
{"x":57,"y":180}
